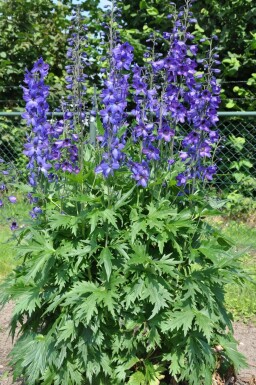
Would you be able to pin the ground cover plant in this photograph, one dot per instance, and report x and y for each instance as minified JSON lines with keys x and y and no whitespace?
{"x":122,"y":281}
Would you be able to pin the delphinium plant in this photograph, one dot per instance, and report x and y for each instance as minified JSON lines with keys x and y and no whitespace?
{"x":122,"y":281}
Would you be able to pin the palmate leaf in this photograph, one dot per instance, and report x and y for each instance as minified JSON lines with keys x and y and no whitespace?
{"x":167,"y":265}
{"x":177,"y":360}
{"x":140,"y":256}
{"x":122,"y":249}
{"x":110,"y":216}
{"x":86,"y":309}
{"x":158,"y":295}
{"x":36,"y":242}
{"x":27,"y":302}
{"x":156,"y":212}
{"x":179,"y":319}
{"x":153,"y":373}
{"x":85,"y":306}
{"x":34,"y":351}
{"x":58,"y":220}
{"x":161,"y":239}
{"x":137,"y":378}
{"x":41,"y":265}
{"x":73,"y":374}
{"x":154,"y":339}
{"x":67,"y":331}
{"x":134,"y":292}
{"x":96,"y":216}
{"x":123,"y":366}
{"x":204,"y":322}
{"x":136,"y":228}
{"x":201,"y":360}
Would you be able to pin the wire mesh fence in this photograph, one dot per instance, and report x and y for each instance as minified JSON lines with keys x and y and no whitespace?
{"x":235,"y":156}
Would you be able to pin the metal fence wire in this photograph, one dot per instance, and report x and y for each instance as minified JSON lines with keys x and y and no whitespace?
{"x":235,"y":156}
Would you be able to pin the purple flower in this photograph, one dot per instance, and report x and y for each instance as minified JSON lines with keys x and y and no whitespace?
{"x":165,"y":133}
{"x":31,"y":198}
{"x":12,"y":199}
{"x":210,"y":171}
{"x":181,"y":180}
{"x":104,"y":168}
{"x":214,"y":136}
{"x":14,"y":226}
{"x":41,"y":67}
{"x":205,"y":150}
{"x":63,"y":143}
{"x":122,"y":56}
{"x":151,"y":152}
{"x":140,"y":172}
{"x":183,"y":155}
{"x":1,"y":203}
{"x":66,"y":166}
{"x":35,"y":212}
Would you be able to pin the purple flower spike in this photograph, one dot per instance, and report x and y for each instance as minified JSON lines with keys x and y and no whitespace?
{"x":12,"y":199}
{"x":41,"y":67}
{"x":1,"y":203}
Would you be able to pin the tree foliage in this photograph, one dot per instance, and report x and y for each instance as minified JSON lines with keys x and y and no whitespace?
{"x":233,"y":21}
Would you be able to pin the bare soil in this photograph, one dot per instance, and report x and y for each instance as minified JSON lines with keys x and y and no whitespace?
{"x":245,"y":335}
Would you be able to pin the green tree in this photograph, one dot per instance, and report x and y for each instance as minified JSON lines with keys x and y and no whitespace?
{"x":234,"y":21}
{"x":30,"y":29}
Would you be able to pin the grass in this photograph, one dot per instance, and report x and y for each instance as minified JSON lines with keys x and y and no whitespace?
{"x":241,"y":300}
{"x":7,"y":260}
{"x":9,"y":213}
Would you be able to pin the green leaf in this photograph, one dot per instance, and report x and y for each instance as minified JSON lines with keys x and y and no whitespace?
{"x":122,"y":130}
{"x":180,"y":319}
{"x":230,"y":350}
{"x":158,"y":296}
{"x":137,"y":378}
{"x":28,"y":301}
{"x":100,"y":128}
{"x":109,"y":215}
{"x":67,"y":331}
{"x":136,"y":228}
{"x":167,"y":265}
{"x":123,"y":199}
{"x":105,"y":258}
{"x":152,"y":11}
{"x":143,"y":4}
{"x":204,"y":323}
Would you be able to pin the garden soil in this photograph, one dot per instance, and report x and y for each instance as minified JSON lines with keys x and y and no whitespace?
{"x":244,"y":334}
